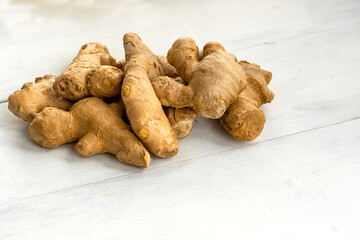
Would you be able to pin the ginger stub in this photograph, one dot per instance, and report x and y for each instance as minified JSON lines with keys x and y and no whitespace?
{"x":98,"y":127}
{"x":34,"y":97}
{"x":213,"y":82}
{"x":243,"y":119}
{"x":143,"y":108}
{"x":92,"y":73}
{"x":181,"y":120}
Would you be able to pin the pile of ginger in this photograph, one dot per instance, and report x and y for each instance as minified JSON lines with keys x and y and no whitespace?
{"x":145,"y":102}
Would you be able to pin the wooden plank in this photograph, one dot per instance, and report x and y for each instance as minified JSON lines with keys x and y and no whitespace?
{"x":305,"y":186}
{"x":42,"y":37}
{"x":313,"y":89}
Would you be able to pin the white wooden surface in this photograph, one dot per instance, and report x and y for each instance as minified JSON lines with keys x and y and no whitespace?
{"x":299,"y":180}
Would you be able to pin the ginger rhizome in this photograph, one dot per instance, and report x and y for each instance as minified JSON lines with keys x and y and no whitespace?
{"x":93,"y":72}
{"x":98,"y":127}
{"x":143,"y":108}
{"x":243,"y":119}
{"x":34,"y":97}
{"x":169,"y":70}
{"x":181,"y":119}
{"x":149,"y":100}
{"x":213,"y":82}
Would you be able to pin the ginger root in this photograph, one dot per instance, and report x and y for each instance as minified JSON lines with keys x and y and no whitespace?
{"x":158,"y":103}
{"x":243,"y":119}
{"x":98,"y":127}
{"x":34,"y":97}
{"x":143,"y":108}
{"x":169,"y":70}
{"x":214,"y":82}
{"x":92,"y":73}
{"x":181,"y":120}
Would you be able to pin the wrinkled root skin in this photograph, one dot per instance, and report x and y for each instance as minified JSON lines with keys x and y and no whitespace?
{"x":172,"y":93}
{"x":169,"y":70}
{"x":92,"y":73}
{"x":213,"y":82}
{"x":243,"y":119}
{"x":97,"y":126}
{"x":34,"y":97}
{"x":181,"y":120}
{"x":105,"y":81}
{"x":143,"y":108}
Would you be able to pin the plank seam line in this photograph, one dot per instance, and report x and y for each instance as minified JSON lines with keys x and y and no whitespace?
{"x":178,"y":162}
{"x":304,"y":34}
{"x":321,"y":31}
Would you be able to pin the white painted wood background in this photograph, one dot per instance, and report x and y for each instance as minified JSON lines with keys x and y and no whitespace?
{"x":299,"y":180}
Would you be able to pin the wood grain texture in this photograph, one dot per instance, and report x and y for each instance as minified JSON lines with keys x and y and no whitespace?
{"x":304,"y":186}
{"x":298,"y":180}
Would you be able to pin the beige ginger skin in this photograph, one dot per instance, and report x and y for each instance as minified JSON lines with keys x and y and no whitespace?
{"x":34,"y":97}
{"x":93,"y":72}
{"x":143,"y":108}
{"x":243,"y":119}
{"x":181,"y":119}
{"x":214,"y":82}
{"x":97,"y":126}
{"x":169,"y":70}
